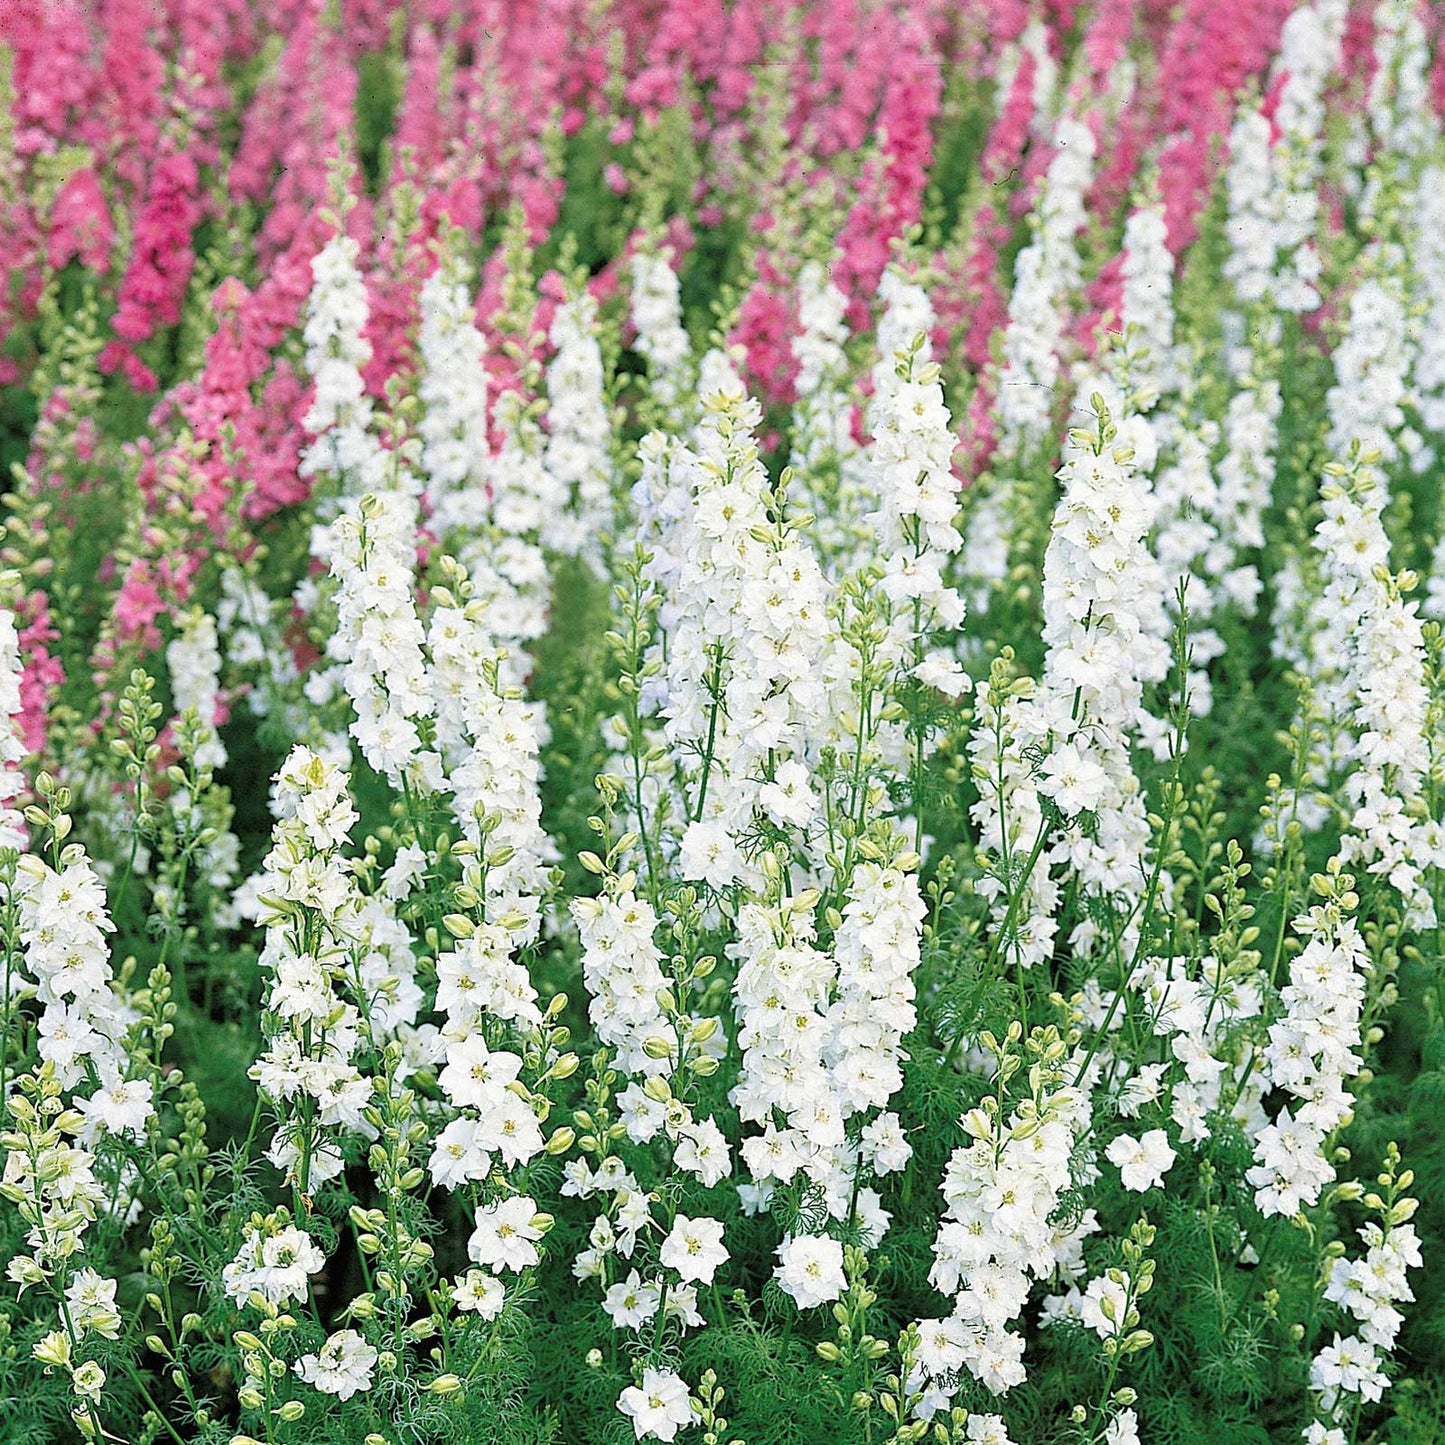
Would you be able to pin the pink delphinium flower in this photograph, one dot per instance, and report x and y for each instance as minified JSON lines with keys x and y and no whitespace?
{"x":765,"y":328}
{"x":221,"y":400}
{"x":137,"y":606}
{"x":420,"y":122}
{"x":80,"y":224}
{"x":43,"y":674}
{"x":985,"y":303}
{"x":1435,"y":23}
{"x":891,"y":190}
{"x":1107,"y":38}
{"x":1357,"y":51}
{"x":161,"y":260}
{"x":1215,"y":49}
{"x":289,"y":131}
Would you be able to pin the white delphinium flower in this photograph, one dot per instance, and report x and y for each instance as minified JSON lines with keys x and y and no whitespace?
{"x":506,"y":1234}
{"x":58,"y":1171}
{"x":659,"y":1407}
{"x":1147,"y":307}
{"x":488,"y":741}
{"x":1105,"y":638}
{"x":58,"y":1191}
{"x":1348,"y":1366}
{"x":495,"y":509}
{"x":309,"y":906}
{"x":907,"y":314}
{"x":1312,"y":1051}
{"x":248,"y":621}
{"x":1371,"y":1287}
{"x":193,"y":659}
{"x":810,"y":1270}
{"x":1046,"y":275}
{"x":631,"y":1302}
{"x":337,"y":350}
{"x":911,"y":477}
{"x":12,"y":745}
{"x":876,"y":949}
{"x":579,"y":433}
{"x":1428,"y":267}
{"x":995,"y":1237}
{"x":275,"y":1261}
{"x":694,"y":1249}
{"x":384,"y":974}
{"x":622,"y":971}
{"x":1249,"y":182}
{"x":505,"y":557}
{"x":1310,"y":52}
{"x":91,"y":1298}
{"x":452,"y":386}
{"x":781,"y":996}
{"x":1034,"y":42}
{"x":345,"y":452}
{"x":64,"y":918}
{"x":1428,"y":281}
{"x":1402,"y":116}
{"x":657,"y":1046}
{"x":1367,"y":660}
{"x":747,"y":628}
{"x":480,"y":1293}
{"x":829,"y":465}
{"x":1105,"y":1306}
{"x":1142,"y":1162}
{"x":1009,"y":816}
{"x":344,"y":1367}
{"x":1373,"y":361}
{"x":1136,"y":370}
{"x":1245,"y":473}
{"x":1370,"y":1290}
{"x":987,"y":1430}
{"x":1187,"y":544}
{"x":489,"y":737}
{"x":662,"y":341}
{"x":378,"y":638}
{"x":1199,"y":1017}
{"x":739,"y":691}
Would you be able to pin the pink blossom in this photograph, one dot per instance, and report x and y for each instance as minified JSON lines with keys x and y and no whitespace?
{"x":80,"y":224}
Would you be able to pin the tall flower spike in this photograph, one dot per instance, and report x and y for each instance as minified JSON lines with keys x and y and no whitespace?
{"x":579,"y":434}
{"x":12,"y":746}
